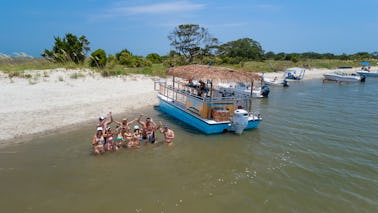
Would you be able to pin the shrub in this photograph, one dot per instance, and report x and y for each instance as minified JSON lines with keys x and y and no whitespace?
{"x":98,"y":59}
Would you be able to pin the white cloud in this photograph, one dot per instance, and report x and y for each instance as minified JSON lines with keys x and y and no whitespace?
{"x":159,"y":8}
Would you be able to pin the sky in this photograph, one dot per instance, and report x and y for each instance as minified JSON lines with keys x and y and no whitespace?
{"x":143,"y":26}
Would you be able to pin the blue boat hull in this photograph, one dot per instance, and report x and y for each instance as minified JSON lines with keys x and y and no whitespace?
{"x":197,"y":122}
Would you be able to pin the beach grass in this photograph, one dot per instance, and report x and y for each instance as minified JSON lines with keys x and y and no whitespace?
{"x":17,"y":66}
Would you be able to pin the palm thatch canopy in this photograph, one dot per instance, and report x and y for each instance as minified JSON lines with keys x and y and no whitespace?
{"x":215,"y":74}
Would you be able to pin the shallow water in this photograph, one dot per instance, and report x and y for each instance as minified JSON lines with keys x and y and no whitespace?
{"x":315,"y":151}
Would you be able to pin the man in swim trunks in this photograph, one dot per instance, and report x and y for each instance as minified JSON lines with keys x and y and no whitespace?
{"x":168,"y":133}
{"x":148,"y":129}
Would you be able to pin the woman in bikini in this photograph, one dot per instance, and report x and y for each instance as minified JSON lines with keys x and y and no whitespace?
{"x":119,"y":139}
{"x":125,"y":124}
{"x":98,"y":141}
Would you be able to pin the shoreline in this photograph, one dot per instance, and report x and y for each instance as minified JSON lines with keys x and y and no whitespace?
{"x":58,"y":100}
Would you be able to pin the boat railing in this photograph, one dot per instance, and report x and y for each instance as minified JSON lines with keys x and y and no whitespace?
{"x":169,"y":90}
{"x":180,"y":94}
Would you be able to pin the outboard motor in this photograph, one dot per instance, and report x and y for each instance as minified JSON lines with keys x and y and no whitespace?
{"x":240,"y":121}
{"x":265,"y":91}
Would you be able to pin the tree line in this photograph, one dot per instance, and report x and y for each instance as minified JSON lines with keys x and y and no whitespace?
{"x":191,"y":43}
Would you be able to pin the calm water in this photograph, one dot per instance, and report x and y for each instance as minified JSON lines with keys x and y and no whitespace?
{"x":315,"y":151}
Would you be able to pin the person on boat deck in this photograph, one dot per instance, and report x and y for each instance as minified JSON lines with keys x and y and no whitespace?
{"x":98,"y":141}
{"x":190,"y":83}
{"x":108,"y":136}
{"x":168,"y":134}
{"x":202,"y":90}
{"x":125,"y":125}
{"x":148,"y":129}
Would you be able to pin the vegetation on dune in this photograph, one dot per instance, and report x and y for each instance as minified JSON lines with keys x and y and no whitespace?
{"x":68,"y":49}
{"x":191,"y":44}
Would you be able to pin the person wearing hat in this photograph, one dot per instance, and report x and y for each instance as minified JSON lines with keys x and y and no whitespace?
{"x":102,"y":122}
{"x":98,"y":141}
{"x":168,"y":134}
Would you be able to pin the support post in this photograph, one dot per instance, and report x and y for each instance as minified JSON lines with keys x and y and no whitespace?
{"x":250,"y":98}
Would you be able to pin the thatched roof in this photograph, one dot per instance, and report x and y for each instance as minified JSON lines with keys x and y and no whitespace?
{"x":215,"y":74}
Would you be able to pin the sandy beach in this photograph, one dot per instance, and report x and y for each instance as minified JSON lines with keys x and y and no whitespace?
{"x":53,"y":99}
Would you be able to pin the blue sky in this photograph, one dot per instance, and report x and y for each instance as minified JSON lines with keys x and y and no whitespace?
{"x":142,"y":26}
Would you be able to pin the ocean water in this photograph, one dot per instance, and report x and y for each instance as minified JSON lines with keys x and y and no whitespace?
{"x":315,"y":151}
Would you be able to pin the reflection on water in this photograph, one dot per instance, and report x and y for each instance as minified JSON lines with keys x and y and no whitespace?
{"x":315,"y":151}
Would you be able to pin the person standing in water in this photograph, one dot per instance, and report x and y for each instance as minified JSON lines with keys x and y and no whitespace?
{"x":98,"y":141}
{"x":148,"y":129}
{"x":168,"y":134}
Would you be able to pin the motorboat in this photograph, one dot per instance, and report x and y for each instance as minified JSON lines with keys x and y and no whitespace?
{"x":208,"y":110}
{"x":343,"y":77}
{"x":368,"y":73}
{"x":294,"y":74}
{"x":366,"y":70}
{"x":281,"y":82}
{"x":238,"y":89}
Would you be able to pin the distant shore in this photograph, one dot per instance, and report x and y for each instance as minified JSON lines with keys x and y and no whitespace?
{"x":53,"y":99}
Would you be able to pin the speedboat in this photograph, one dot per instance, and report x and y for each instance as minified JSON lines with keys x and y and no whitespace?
{"x":294,"y":74}
{"x":343,"y":77}
{"x":367,"y":73}
{"x":281,"y":82}
{"x":366,"y":70}
{"x":237,"y":89}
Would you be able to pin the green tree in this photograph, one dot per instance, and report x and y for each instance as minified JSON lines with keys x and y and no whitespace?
{"x":191,"y":40}
{"x":98,"y":58}
{"x":154,"y":58}
{"x":126,"y":58}
{"x":245,"y":49}
{"x":69,"y":48}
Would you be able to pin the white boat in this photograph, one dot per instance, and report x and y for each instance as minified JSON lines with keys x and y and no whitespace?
{"x":206,"y":110}
{"x":368,"y":73}
{"x":241,"y":89}
{"x":294,"y":74}
{"x":343,"y":77}
{"x":366,"y":70}
{"x":281,"y":82}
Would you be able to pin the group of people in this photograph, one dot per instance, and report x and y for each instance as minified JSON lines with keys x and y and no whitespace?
{"x":202,"y":89}
{"x":107,"y":138}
